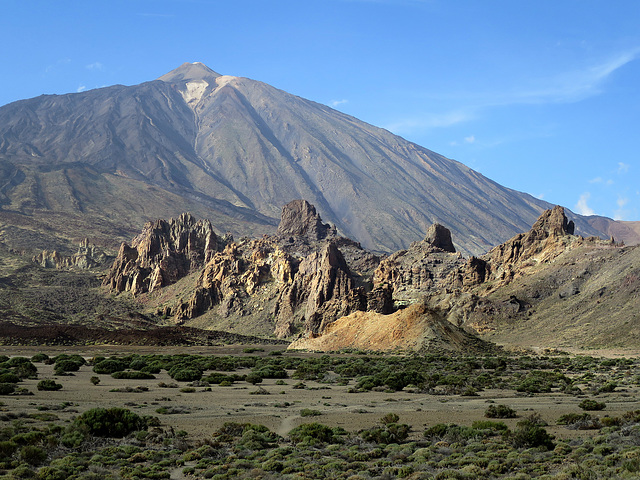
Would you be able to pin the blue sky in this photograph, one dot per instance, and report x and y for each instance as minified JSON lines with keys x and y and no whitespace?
{"x":542,"y":96}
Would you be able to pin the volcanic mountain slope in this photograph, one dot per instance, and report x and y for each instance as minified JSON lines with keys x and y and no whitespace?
{"x":232,"y":150}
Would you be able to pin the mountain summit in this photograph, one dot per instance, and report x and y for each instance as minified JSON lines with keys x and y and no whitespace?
{"x":234,"y":150}
{"x":189,"y":72}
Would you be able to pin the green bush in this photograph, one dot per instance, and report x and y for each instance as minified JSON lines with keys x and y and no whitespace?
{"x":9,"y":377}
{"x":181,"y":373}
{"x":112,"y":422}
{"x":33,"y":455}
{"x":500,"y":411}
{"x":7,"y":448}
{"x":66,"y":363}
{"x":132,"y":375}
{"x":385,"y":434}
{"x":530,"y":433}
{"x":591,"y":405}
{"x":109,"y":366}
{"x":315,"y":433}
{"x":253,"y":378}
{"x":48,"y":385}
{"x":308,"y":412}
{"x":39,"y":357}
{"x":7,"y":388}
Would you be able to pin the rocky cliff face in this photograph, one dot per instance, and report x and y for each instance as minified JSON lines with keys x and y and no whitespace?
{"x":309,"y":283}
{"x":162,"y":254}
{"x":298,"y":279}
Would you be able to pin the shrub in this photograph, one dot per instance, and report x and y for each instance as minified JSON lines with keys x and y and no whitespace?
{"x":7,"y":388}
{"x":315,"y":433}
{"x":270,"y":371}
{"x":48,"y":385}
{"x":591,"y":405}
{"x":181,"y":373}
{"x":608,"y":387}
{"x":530,"y":433}
{"x":252,"y":350}
{"x":65,"y":365}
{"x":7,"y":448}
{"x":253,"y":378}
{"x":9,"y":377}
{"x":500,"y":411}
{"x":132,"y":375}
{"x":33,"y":455}
{"x":109,"y":366}
{"x":112,"y":422}
{"x":40,"y":357}
{"x":95,"y":380}
{"x":388,"y":433}
{"x":307,"y":412}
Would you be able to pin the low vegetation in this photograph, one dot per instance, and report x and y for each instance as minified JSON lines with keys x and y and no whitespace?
{"x":70,"y":441}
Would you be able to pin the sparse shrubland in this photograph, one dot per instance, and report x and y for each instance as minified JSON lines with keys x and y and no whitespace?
{"x":68,"y":441}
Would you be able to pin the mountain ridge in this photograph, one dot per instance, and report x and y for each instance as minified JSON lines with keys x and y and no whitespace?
{"x":234,"y":150}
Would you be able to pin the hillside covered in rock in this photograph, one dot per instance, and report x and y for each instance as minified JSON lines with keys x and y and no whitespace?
{"x":308,"y":283}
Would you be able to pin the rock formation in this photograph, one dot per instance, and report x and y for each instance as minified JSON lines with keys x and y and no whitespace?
{"x":300,"y":219}
{"x":300,"y":278}
{"x":88,"y":256}
{"x":162,"y":254}
{"x":440,"y":237}
{"x":307,"y":282}
{"x":424,"y":267}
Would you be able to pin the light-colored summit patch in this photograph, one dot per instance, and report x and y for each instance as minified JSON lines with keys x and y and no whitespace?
{"x":223,"y":80}
{"x":194,"y":91}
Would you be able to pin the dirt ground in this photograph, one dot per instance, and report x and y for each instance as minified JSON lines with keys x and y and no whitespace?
{"x":204,"y":411}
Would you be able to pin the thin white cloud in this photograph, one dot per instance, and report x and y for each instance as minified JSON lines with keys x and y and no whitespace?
{"x":335,"y":103}
{"x":581,"y":207}
{"x":81,"y":88}
{"x":596,"y":180}
{"x":62,"y":61}
{"x":576,"y":85}
{"x":470,"y":139}
{"x":95,"y":66}
{"x":623,"y":167}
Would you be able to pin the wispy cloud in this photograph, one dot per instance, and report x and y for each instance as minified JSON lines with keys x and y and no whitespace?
{"x":335,"y":103}
{"x":581,"y":207}
{"x":95,"y":66}
{"x":574,"y":85}
{"x":81,"y":88}
{"x":470,"y":139}
{"x":62,"y":61}
{"x":623,"y":167}
{"x":563,"y":87}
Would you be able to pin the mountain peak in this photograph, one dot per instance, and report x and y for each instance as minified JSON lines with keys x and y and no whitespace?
{"x":189,"y":72}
